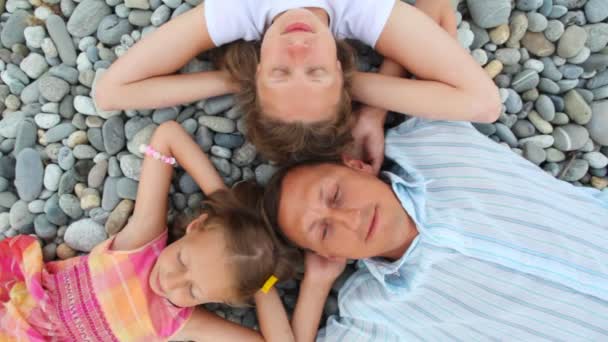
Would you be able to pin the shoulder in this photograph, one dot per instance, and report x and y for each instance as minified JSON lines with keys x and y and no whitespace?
{"x":231,"y":20}
{"x":363,"y":20}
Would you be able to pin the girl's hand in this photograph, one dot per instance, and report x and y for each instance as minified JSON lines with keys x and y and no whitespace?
{"x":441,"y":11}
{"x":369,"y":136}
{"x":321,"y":269}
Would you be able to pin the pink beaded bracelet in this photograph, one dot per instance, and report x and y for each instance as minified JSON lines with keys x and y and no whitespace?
{"x":151,"y":152}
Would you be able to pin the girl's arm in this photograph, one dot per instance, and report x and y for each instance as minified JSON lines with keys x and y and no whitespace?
{"x":150,"y":216}
{"x":140,"y":79}
{"x":272,"y":317}
{"x":451,"y":84}
{"x":274,"y":326}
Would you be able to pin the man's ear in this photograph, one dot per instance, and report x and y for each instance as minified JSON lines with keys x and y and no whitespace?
{"x":196,"y":223}
{"x":357,"y":164}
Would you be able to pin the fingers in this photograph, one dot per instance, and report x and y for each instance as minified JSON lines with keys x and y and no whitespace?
{"x":448,"y":22}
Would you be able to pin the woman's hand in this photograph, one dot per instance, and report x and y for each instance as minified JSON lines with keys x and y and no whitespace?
{"x":441,"y":11}
{"x":321,"y":269}
{"x":369,"y":136}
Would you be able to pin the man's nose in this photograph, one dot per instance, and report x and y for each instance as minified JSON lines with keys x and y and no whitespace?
{"x":348,"y":218}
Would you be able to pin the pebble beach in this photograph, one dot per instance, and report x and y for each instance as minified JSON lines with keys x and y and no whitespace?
{"x":69,"y":172}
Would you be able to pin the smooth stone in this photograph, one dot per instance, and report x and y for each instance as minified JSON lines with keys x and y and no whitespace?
{"x":537,"y":44}
{"x":142,"y":137}
{"x":47,"y":121}
{"x":67,"y":182}
{"x":34,"y":65}
{"x":244,"y":155}
{"x":84,"y":152}
{"x":127,"y":188}
{"x":264,"y":172}
{"x":565,"y":85}
{"x":572,"y":42}
{"x":518,"y":27}
{"x":528,"y":5}
{"x":20,"y":218}
{"x":221,"y":152}
{"x":34,"y":35}
{"x":523,"y":129}
{"x":7,"y":199}
{"x":541,"y":125}
{"x":525,"y":80}
{"x":558,"y":11}
{"x":550,"y":70}
{"x":187,"y":185}
{"x":489,"y":13}
{"x":600,"y":93}
{"x":513,"y":103}
{"x":49,"y":252}
{"x":36,"y":206}
{"x":493,"y":68}
{"x":554,"y":155}
{"x":131,"y":166}
{"x":52,"y":176}
{"x":217,"y":124}
{"x":140,"y":18}
{"x":4,"y":184}
{"x":90,"y":199}
{"x":28,"y":174}
{"x":570,"y":137}
{"x":53,"y":212}
{"x":77,"y":138}
{"x":570,"y":71}
{"x":94,"y":135}
{"x":534,"y":64}
{"x":577,"y":109}
{"x":222,"y":165}
{"x":119,"y":217}
{"x":7,"y":167}
{"x":536,"y":22}
{"x":85,"y":105}
{"x":136,"y":124}
{"x":9,"y":124}
{"x":596,"y":10}
{"x":508,"y":56}
{"x":230,"y":141}
{"x":26,"y":136}
{"x":545,"y":107}
{"x":581,"y":57}
{"x":596,"y":61}
{"x":70,"y":205}
{"x":84,"y":235}
{"x":160,"y":15}
{"x":59,"y":132}
{"x":554,"y":31}
{"x":87,"y":16}
{"x":598,"y":125}
{"x":596,"y":160}
{"x":560,"y":119}
{"x":534,"y":153}
{"x":65,"y":158}
{"x":216,"y":105}
{"x":597,"y":36}
{"x":110,"y":197}
{"x":65,"y":252}
{"x":577,"y":170}
{"x":12,"y":32}
{"x":165,"y":114}
{"x":544,"y":141}
{"x":113,"y":134}
{"x":97,"y":174}
{"x":43,"y":228}
{"x":64,"y":45}
{"x":481,"y":37}
{"x":599,"y":182}
{"x":505,"y":134}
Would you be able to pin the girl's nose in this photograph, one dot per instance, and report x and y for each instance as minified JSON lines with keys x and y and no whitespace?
{"x":296,"y":49}
{"x":174,"y":280}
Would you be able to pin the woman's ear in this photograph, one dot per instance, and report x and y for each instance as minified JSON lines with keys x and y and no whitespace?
{"x":196,"y":223}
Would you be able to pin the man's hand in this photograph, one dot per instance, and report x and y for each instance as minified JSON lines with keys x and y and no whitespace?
{"x":441,"y":11}
{"x":369,"y":136}
{"x":320,"y":269}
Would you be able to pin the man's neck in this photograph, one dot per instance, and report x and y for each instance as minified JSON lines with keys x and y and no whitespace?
{"x":410,"y":233}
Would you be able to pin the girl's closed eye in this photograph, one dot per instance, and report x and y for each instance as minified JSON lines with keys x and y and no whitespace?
{"x":325,"y":231}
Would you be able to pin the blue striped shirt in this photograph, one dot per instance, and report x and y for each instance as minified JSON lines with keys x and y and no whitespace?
{"x":504,"y":252}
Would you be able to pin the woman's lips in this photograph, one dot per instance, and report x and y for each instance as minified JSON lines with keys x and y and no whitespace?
{"x":298,"y":27}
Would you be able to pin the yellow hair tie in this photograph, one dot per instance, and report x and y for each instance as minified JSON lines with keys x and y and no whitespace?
{"x":269,"y":283}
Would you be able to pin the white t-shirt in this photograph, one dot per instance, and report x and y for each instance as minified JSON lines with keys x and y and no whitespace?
{"x":230,"y":20}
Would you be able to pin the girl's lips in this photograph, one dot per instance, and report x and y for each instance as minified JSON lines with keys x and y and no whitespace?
{"x":298,"y":27}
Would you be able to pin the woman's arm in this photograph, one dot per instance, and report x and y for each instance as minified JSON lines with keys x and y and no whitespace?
{"x":140,"y":79}
{"x":150,"y":215}
{"x":450,"y":84}
{"x":272,"y":317}
{"x":205,"y":326}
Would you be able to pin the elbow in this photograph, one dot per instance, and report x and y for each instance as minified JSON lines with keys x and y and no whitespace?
{"x":488,"y":106}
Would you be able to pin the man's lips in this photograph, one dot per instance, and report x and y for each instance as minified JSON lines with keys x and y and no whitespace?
{"x":372,"y":225}
{"x":298,"y":27}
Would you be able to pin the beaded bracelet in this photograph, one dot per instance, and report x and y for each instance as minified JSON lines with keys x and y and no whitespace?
{"x":151,"y":152}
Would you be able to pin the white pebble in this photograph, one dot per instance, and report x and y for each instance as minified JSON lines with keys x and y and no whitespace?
{"x":83,"y":62}
{"x":534,"y":64}
{"x":86,"y":42}
{"x":49,"y":49}
{"x":46,"y":121}
{"x":42,"y":13}
{"x":34,"y":35}
{"x":51,"y":107}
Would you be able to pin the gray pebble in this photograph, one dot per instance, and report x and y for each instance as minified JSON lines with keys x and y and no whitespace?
{"x":577,"y":170}
{"x":485,"y":128}
{"x":26,"y":136}
{"x":95,"y":137}
{"x":53,"y":212}
{"x":187,"y":185}
{"x":222,"y":165}
{"x":596,"y":160}
{"x":52,"y":175}
{"x":43,"y":228}
{"x":84,"y":235}
{"x":164,"y":114}
{"x":127,"y":188}
{"x":525,"y":80}
{"x":160,"y":16}
{"x":20,"y":218}
{"x":577,"y":109}
{"x":134,"y":125}
{"x":65,"y":158}
{"x":34,"y":65}
{"x":47,"y":121}
{"x":572,"y":42}
{"x":113,"y":135}
{"x":550,"y":70}
{"x":219,"y":104}
{"x":97,"y":174}
{"x":523,"y":129}
{"x":544,"y":141}
{"x":545,"y":107}
{"x":204,"y":138}
{"x":570,"y":137}
{"x":28,"y":174}
{"x":7,"y":199}
{"x":86,"y":17}
{"x":84,"y":152}
{"x":596,"y":10}
{"x":487,"y":14}
{"x":221,"y":152}
{"x":229,"y":140}
{"x":508,"y":56}
{"x":110,"y":196}
{"x":140,"y":18}
{"x":12,"y":33}
{"x":528,"y":5}
{"x":513,"y":103}
{"x":131,"y":166}
{"x":36,"y":207}
{"x":59,"y":132}
{"x":244,"y":155}
{"x":142,"y":137}
{"x":597,"y":36}
{"x":536,"y":22}
{"x":554,"y":31}
{"x":571,"y":71}
{"x":264,"y":172}
{"x":598,"y":125}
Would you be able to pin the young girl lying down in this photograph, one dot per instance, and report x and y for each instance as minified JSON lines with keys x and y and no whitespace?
{"x":134,"y":287}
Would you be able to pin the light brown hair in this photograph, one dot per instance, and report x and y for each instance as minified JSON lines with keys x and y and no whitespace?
{"x":256,"y":252}
{"x":285,"y":142}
